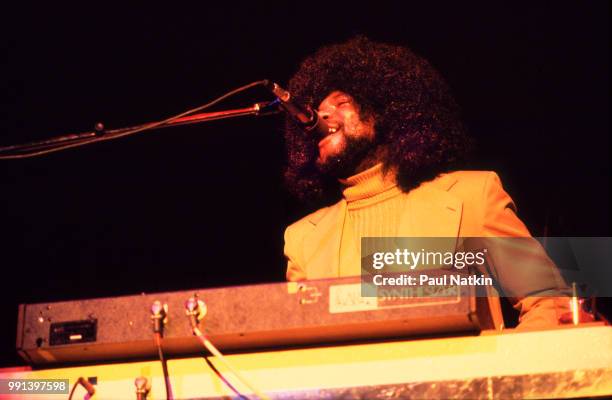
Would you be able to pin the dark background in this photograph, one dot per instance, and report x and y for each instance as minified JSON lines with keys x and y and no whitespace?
{"x":204,"y":205}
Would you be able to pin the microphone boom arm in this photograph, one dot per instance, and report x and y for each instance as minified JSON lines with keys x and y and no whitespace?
{"x":99,"y":133}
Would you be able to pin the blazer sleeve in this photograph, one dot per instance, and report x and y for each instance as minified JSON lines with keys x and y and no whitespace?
{"x":527,"y":276}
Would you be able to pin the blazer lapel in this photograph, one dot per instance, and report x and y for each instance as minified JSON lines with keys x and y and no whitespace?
{"x":431,"y":211}
{"x":322,"y":244}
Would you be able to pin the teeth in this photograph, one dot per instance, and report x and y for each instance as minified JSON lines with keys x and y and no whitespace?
{"x":333,"y":130}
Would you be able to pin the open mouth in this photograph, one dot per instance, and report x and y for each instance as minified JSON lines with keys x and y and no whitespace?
{"x":333,"y":135}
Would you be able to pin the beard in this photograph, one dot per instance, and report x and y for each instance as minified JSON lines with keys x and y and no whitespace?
{"x":345,"y":163}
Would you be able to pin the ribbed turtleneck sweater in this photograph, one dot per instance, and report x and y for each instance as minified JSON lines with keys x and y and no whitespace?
{"x":373,"y":202}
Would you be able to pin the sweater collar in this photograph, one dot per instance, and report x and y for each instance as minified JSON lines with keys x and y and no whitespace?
{"x":368,"y":183}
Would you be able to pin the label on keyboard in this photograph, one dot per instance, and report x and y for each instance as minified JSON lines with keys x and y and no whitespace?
{"x":348,"y":298}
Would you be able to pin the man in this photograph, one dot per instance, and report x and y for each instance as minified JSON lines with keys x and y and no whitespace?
{"x":394,"y":136}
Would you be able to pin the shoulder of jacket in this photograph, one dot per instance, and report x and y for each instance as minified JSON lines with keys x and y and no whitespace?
{"x":466,"y":179}
{"x":314,"y":217}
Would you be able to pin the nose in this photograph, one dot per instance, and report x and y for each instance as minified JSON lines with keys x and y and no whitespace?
{"x":324,"y":113}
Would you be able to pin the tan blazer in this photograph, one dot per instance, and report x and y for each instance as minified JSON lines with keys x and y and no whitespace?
{"x":457,"y":204}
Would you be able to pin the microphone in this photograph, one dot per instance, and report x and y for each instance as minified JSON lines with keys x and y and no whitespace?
{"x":307,"y":118}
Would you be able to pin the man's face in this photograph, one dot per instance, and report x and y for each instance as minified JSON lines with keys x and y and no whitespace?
{"x":349,"y":139}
